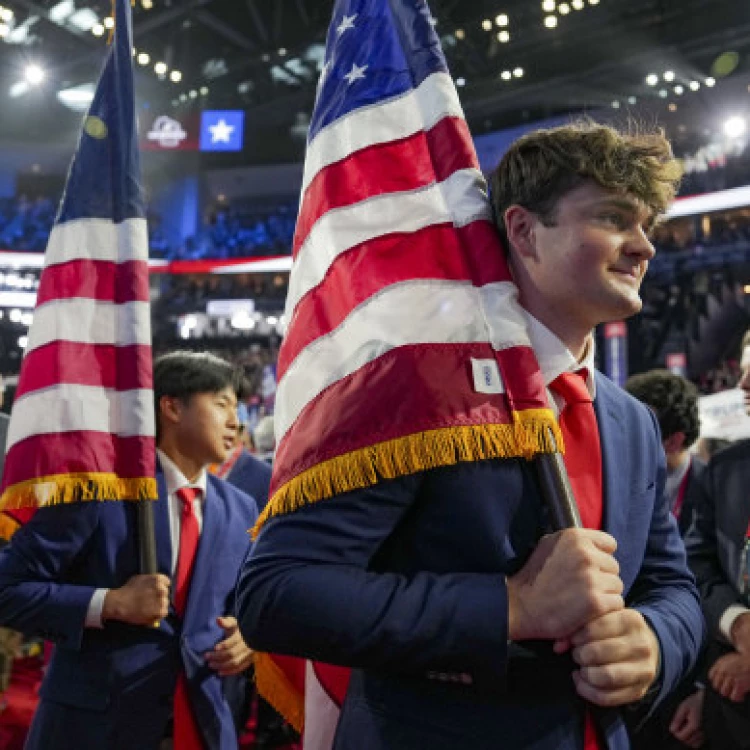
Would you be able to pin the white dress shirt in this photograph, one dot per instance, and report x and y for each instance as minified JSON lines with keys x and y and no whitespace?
{"x":175,"y":480}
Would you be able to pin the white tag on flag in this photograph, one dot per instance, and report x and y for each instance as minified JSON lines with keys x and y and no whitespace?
{"x":486,"y":376}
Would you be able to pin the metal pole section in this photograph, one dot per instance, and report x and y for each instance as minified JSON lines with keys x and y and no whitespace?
{"x":556,"y":489}
{"x":147,"y":537}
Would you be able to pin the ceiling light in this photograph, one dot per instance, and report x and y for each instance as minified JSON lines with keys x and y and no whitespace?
{"x":204,"y":90}
{"x":593,"y":2}
{"x":77,"y":98}
{"x":34,"y":75}
{"x":147,"y":4}
{"x":460,"y":34}
{"x":548,"y":6}
{"x":672,"y":107}
{"x":23,"y":341}
{"x":6,"y":14}
{"x":109,"y":22}
{"x":59,"y":13}
{"x":563,"y":9}
{"x":694,"y":85}
{"x":518,"y":72}
{"x":84,"y":19}
{"x":615,"y":104}
{"x":710,"y":82}
{"x":663,"y":93}
{"x":506,"y":75}
{"x":652,"y":79}
{"x":502,"y":20}
{"x":160,"y":69}
{"x":503,"y":37}
{"x":679,"y":90}
{"x":97,"y":29}
{"x":550,"y":22}
{"x":735,"y":127}
{"x":144,"y":58}
{"x":632,"y":100}
{"x":669,"y":75}
{"x":183,"y":97}
{"x":578,"y":4}
{"x":193,"y":94}
{"x":175,"y":76}
{"x":487,"y":24}
{"x":4,"y":29}
{"x":282,"y":51}
{"x":460,"y":81}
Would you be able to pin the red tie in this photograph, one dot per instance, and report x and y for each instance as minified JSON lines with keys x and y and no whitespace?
{"x":583,"y":460}
{"x":187,"y":735}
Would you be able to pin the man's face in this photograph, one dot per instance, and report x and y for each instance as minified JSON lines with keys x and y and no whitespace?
{"x":208,"y":426}
{"x":589,"y":265}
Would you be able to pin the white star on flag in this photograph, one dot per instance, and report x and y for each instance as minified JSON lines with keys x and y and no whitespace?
{"x":356,"y":73}
{"x":346,"y":24}
{"x":221,"y":132}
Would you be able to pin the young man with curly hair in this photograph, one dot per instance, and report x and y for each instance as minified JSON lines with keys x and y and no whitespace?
{"x":467,"y":623}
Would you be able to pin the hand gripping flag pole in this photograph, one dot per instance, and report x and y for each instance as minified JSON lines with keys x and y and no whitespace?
{"x":82,"y":426}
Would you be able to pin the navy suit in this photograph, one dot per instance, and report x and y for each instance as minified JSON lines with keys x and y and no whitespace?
{"x":406,"y":582}
{"x":252,"y":476}
{"x":112,"y":689}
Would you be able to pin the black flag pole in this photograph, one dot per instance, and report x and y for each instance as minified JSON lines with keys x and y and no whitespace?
{"x":556,"y":489}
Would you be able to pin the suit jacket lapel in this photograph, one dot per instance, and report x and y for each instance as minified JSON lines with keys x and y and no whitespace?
{"x":203,"y":572}
{"x":616,"y":478}
{"x":162,"y":530}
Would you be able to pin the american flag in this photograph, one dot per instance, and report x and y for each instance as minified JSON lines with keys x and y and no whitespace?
{"x":406,"y":348}
{"x":82,"y":425}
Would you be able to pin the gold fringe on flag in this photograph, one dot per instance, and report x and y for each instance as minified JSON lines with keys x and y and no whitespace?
{"x":8,"y":527}
{"x":274,"y":686}
{"x":76,"y":488}
{"x":532,"y":431}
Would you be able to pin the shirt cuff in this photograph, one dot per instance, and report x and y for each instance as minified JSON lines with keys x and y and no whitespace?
{"x":731,"y":613}
{"x":94,"y":612}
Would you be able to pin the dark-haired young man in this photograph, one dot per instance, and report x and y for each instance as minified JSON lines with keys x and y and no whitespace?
{"x":467,"y":625}
{"x":674,"y":401}
{"x":718,"y":545}
{"x":72,"y":575}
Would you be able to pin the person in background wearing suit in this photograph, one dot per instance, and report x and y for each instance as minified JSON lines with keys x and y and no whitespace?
{"x":242,"y":469}
{"x":718,"y":543}
{"x":674,"y":401}
{"x":467,"y":624}
{"x":135,"y":651}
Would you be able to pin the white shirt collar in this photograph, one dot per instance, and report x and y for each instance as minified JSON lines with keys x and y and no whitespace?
{"x":555,"y":358}
{"x":176,"y":480}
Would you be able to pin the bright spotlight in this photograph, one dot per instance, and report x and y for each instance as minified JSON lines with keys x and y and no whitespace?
{"x":548,"y":6}
{"x":34,"y":75}
{"x":550,"y":22}
{"x":518,"y":72}
{"x":652,"y":79}
{"x":160,"y":68}
{"x":23,"y":341}
{"x":143,"y":58}
{"x":503,"y":37}
{"x":710,"y":82}
{"x":563,"y":9}
{"x":175,"y":76}
{"x":97,"y":29}
{"x":679,"y":90}
{"x":506,"y":75}
{"x":109,"y":22}
{"x":577,"y":5}
{"x":694,"y":85}
{"x":502,"y":20}
{"x":669,"y":75}
{"x":735,"y":127}
{"x":487,"y":24}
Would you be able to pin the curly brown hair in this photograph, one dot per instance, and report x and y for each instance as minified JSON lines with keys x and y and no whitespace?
{"x":543,"y":166}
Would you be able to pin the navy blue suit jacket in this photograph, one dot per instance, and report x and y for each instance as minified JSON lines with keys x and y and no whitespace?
{"x":252,"y":476}
{"x":406,"y":581}
{"x":113,"y":688}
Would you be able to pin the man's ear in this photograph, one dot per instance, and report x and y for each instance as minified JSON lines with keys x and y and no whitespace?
{"x":520,"y":226}
{"x":170,"y":409}
{"x":674,"y":443}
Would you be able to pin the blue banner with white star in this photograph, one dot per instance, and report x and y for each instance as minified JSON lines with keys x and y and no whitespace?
{"x":222,"y":130}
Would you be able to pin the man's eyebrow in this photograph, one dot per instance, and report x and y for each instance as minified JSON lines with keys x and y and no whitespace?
{"x":632,"y":206}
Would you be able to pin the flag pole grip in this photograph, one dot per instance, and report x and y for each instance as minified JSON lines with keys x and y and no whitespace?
{"x":147,"y":538}
{"x":556,"y":489}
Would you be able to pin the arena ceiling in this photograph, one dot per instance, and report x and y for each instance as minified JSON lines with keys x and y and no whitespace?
{"x":263,"y":56}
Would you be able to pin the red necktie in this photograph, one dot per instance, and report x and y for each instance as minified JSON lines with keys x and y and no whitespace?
{"x":187,"y":735}
{"x":583,"y":460}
